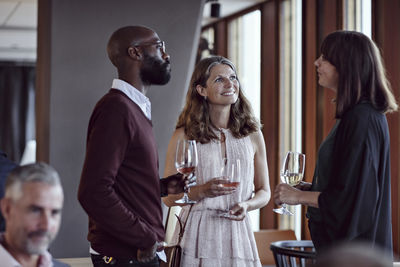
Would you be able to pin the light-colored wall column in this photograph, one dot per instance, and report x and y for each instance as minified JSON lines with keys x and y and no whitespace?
{"x":79,"y":73}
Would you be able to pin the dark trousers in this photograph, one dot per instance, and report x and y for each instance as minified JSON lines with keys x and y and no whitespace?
{"x":98,"y":261}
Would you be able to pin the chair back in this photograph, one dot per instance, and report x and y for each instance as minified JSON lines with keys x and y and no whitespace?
{"x":289,"y":253}
{"x":170,"y":223}
{"x":265,"y":237}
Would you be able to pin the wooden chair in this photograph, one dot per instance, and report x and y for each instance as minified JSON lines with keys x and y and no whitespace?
{"x":170,"y":226}
{"x":294,"y":253}
{"x":264,"y":238}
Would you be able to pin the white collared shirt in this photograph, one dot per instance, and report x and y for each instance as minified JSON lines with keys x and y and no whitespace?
{"x":7,"y":260}
{"x":135,"y":95}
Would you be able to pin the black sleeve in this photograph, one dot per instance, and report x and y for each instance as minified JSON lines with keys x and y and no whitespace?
{"x":348,"y":204}
{"x":164,"y":187}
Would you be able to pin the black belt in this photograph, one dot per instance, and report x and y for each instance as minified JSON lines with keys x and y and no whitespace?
{"x":113,"y":261}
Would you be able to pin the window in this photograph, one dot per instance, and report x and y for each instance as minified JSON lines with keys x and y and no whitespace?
{"x":244,"y":50}
{"x":357,"y":16}
{"x":206,"y":44}
{"x":290,"y":93}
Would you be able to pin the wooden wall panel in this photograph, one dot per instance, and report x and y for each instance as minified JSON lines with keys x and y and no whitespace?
{"x":43,"y":72}
{"x":310,"y":53}
{"x":386,"y":33}
{"x":330,"y":20}
{"x":270,"y":100}
{"x":221,"y":35}
{"x":320,"y":17}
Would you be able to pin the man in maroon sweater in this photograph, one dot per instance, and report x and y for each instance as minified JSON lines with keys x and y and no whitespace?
{"x":120,"y":187}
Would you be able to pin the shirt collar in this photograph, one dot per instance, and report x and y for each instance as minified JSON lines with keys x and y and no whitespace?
{"x":135,"y":95}
{"x":6,"y":259}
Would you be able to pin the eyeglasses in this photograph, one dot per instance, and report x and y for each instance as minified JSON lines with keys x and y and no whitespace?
{"x":159,"y":45}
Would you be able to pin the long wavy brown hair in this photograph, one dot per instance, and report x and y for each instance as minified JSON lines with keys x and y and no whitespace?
{"x":195,"y":116}
{"x":361,"y":72}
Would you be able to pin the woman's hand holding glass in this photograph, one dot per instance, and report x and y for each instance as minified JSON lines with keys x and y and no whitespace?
{"x":285,"y":193}
{"x":291,"y":174}
{"x":304,"y":186}
{"x":217,"y":187}
{"x":238,"y":211}
{"x":232,"y":172}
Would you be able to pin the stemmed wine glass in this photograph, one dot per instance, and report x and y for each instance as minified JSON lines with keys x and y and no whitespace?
{"x":230,"y":171}
{"x":292,"y":173}
{"x":185,"y":163}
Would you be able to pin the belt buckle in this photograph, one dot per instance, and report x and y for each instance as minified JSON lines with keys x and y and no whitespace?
{"x":108,"y":260}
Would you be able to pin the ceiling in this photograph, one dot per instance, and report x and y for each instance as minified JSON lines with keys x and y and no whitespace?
{"x":18,"y":23}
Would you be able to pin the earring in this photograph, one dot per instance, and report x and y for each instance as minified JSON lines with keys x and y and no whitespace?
{"x":205,"y":98}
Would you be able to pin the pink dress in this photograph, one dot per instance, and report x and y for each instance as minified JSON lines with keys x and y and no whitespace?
{"x":210,"y":240}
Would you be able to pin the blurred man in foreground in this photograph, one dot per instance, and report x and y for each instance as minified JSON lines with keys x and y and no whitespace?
{"x":32,"y":210}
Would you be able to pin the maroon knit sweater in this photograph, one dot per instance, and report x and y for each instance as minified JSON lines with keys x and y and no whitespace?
{"x":119,"y":187}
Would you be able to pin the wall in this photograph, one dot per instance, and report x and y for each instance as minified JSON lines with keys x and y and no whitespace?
{"x":79,"y":73}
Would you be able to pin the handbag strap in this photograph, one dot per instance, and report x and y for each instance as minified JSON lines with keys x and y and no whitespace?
{"x":181,"y":226}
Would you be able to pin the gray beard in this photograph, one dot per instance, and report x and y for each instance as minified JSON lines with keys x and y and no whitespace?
{"x":38,"y":248}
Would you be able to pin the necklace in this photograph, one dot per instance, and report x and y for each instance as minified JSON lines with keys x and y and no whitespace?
{"x":222,"y":138}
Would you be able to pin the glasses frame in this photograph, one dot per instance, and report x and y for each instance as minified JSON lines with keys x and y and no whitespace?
{"x":161,"y":48}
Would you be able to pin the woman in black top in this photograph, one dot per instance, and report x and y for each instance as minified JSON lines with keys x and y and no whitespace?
{"x":349,"y":198}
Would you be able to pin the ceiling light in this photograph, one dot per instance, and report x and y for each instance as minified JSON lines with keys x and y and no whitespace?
{"x":215,"y":10}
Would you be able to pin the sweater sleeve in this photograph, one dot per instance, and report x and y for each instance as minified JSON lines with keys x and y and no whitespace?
{"x":109,"y":134}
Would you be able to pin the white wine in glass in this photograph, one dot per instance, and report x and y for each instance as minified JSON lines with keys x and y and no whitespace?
{"x":292,"y":174}
{"x":186,"y":163}
{"x":292,"y":179}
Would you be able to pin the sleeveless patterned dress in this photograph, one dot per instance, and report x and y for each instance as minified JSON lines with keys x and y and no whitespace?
{"x":210,"y":240}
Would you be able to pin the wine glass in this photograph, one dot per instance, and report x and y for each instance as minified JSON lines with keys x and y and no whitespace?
{"x":185,"y":163}
{"x":230,"y":171}
{"x":292,"y":173}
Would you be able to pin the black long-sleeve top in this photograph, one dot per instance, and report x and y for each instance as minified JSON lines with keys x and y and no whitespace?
{"x":353,"y":176}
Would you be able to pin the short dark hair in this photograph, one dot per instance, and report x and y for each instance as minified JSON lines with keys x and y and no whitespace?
{"x":121,"y":39}
{"x":361,"y":72}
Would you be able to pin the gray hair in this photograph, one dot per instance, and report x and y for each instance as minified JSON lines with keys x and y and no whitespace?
{"x":35,"y":172}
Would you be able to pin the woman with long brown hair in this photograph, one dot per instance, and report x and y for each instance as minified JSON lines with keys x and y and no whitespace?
{"x":219,"y":117}
{"x":349,"y":198}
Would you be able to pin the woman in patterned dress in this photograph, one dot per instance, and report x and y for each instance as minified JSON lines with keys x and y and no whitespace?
{"x":219,"y":117}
